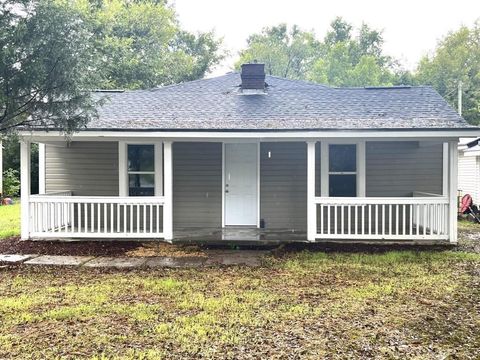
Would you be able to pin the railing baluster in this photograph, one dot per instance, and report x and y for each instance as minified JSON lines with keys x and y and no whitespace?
{"x":355,"y":219}
{"x":137,"y":216}
{"x":144,"y":218}
{"x":131,"y":218}
{"x":328,"y":219}
{"x":105,"y":218}
{"x":125,"y":218}
{"x":342,"y":217}
{"x":384,"y":219}
{"x":335,"y":222}
{"x":112,"y":223}
{"x":92,"y":217}
{"x":397,"y":218}
{"x":71,"y":217}
{"x":363,"y":219}
{"x":52,"y":216}
{"x":390,"y":230}
{"x":151,"y":218}
{"x":404,"y":220}
{"x":349,"y":219}
{"x":370,"y":232}
{"x":424,"y":212}
{"x":321,"y":220}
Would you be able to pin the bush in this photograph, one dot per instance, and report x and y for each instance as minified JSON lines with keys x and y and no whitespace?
{"x":11,"y":182}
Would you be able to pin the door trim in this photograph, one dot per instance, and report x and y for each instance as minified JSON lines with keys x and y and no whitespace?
{"x":257,"y":143}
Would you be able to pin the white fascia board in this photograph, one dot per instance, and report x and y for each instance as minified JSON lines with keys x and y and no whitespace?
{"x":283,"y":135}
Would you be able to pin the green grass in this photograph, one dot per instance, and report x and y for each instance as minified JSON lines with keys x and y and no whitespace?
{"x":9,"y":220}
{"x":398,"y":304}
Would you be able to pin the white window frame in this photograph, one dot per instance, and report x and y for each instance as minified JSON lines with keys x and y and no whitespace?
{"x":325,"y":168}
{"x":123,"y":172}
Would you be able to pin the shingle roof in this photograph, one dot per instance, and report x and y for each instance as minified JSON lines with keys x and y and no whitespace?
{"x":217,"y":104}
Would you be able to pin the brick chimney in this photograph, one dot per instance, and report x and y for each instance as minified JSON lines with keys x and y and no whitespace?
{"x":253,"y":76}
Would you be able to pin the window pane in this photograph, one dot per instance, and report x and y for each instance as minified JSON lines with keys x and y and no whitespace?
{"x":343,"y":185}
{"x":342,"y":158}
{"x":141,"y":158}
{"x":141,"y":185}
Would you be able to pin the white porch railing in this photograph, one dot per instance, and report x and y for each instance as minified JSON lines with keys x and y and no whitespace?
{"x":95,"y":217}
{"x":408,"y":218}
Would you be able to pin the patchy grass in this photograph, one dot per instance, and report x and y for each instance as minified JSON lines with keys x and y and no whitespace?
{"x":9,"y":221}
{"x":397,"y":304}
{"x":464,"y":225}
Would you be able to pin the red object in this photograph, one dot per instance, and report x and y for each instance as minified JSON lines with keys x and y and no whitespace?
{"x":466,"y":203}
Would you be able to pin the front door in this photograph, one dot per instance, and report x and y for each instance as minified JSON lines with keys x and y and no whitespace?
{"x":241,"y":187}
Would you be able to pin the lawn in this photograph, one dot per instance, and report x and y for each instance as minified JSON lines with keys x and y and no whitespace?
{"x":397,"y":304}
{"x":9,"y":221}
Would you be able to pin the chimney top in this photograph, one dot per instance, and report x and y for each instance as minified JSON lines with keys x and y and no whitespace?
{"x":253,"y":77}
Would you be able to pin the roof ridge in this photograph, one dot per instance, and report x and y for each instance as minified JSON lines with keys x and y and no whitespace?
{"x":188,"y":82}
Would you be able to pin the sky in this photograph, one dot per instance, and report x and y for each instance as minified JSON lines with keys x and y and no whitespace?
{"x":411,"y":28}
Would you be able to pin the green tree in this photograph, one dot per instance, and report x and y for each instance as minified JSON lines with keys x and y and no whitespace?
{"x":341,"y":59}
{"x":11,"y":159}
{"x":286,"y":53}
{"x":456,"y":59}
{"x":142,"y":45}
{"x":45,"y":58}
{"x":352,"y":61}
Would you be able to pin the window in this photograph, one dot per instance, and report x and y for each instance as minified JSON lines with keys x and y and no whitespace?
{"x":141,"y":170}
{"x":342,"y":170}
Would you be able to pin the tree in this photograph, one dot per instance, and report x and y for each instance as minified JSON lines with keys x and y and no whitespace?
{"x":352,"y":61}
{"x":11,"y":160}
{"x":142,"y":45}
{"x":340,"y":59}
{"x":456,"y":59}
{"x":286,"y":53}
{"x":46,"y":59}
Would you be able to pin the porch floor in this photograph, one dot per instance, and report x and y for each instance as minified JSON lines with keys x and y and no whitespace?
{"x":242,"y":234}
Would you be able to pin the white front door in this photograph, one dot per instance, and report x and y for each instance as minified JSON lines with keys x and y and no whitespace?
{"x":241,"y":192}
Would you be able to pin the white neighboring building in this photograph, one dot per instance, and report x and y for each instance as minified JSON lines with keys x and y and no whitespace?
{"x":469,"y":168}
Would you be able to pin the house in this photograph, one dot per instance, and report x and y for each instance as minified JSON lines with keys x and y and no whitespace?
{"x":246,"y":156}
{"x":469,"y":168}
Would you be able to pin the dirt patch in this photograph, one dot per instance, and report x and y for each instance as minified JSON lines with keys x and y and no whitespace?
{"x":164,"y":249}
{"x":469,"y":241}
{"x":97,"y":248}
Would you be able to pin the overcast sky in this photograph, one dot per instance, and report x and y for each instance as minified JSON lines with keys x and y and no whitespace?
{"x":411,"y":28}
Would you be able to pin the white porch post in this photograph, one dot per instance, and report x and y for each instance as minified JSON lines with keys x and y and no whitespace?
{"x":168,"y":191}
{"x":311,"y":206}
{"x":122,"y":169}
{"x":41,"y":168}
{"x":453,"y":188}
{"x":25,"y":188}
{"x":445,"y":175}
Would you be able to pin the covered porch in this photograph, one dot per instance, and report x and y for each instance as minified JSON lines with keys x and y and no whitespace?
{"x":295,"y":189}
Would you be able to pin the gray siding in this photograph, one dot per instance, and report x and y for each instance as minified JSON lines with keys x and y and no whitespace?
{"x":86,"y":168}
{"x":197,"y":185}
{"x":283,"y":185}
{"x":398,"y":168}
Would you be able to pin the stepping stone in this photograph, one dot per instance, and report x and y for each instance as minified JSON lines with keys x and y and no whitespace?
{"x":15,"y":258}
{"x":116,"y":262}
{"x":59,"y":260}
{"x":178,"y":262}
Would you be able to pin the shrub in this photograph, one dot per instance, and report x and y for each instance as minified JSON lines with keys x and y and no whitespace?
{"x":11,"y":182}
